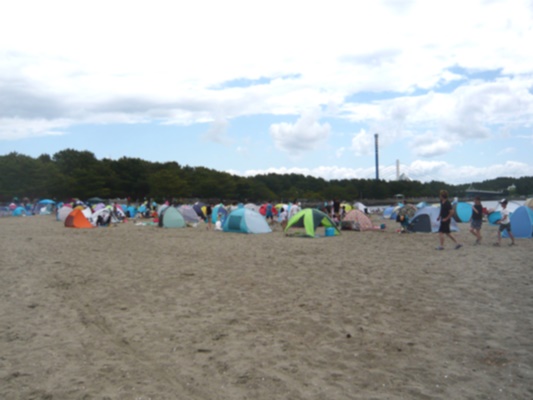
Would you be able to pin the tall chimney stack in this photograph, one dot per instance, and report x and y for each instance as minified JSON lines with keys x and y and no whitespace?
{"x":377,"y":156}
{"x":397,"y":170}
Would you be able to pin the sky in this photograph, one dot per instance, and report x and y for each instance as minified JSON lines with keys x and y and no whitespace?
{"x":254,"y":87}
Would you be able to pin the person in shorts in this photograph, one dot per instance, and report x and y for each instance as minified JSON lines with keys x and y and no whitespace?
{"x":445,"y":218}
{"x":504,"y":224}
{"x":209,"y":215}
{"x":477,"y":220}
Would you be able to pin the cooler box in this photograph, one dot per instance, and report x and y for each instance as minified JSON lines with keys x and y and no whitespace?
{"x":330,"y":231}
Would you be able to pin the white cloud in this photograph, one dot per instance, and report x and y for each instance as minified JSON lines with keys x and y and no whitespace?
{"x":428,"y":145}
{"x":304,"y":135}
{"x":217,"y":132}
{"x":179,"y":67}
{"x":363,"y":143}
{"x":16,"y":128}
{"x":507,"y":150}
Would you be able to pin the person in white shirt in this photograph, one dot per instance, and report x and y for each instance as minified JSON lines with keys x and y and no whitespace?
{"x":295,"y":208}
{"x":504,"y":224}
{"x":283,"y":217}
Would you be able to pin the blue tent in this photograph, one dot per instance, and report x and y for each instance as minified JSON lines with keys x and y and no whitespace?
{"x":244,"y":220}
{"x":463,"y":212}
{"x":425,"y":220}
{"x":47,"y":201}
{"x":132,"y":210}
{"x":219,"y":210}
{"x":494,"y":216}
{"x":19,"y":211}
{"x":521,"y":223}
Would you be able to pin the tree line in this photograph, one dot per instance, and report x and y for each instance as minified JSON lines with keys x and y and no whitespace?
{"x":79,"y":174}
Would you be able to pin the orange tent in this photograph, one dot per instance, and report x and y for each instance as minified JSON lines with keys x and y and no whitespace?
{"x":76,"y":219}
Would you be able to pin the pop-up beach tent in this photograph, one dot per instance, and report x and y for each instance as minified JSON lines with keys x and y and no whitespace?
{"x":244,"y":220}
{"x":310,"y":219}
{"x":189,"y":215}
{"x":170,"y":217}
{"x":463,"y":212}
{"x":356,"y":220}
{"x":200,"y":208}
{"x":219,"y":211}
{"x":425,"y":220}
{"x":77,"y":219}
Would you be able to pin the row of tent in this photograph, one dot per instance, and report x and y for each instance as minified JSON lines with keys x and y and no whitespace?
{"x":42,"y":207}
{"x":425,"y":219}
{"x":239,"y":220}
{"x":249,"y":218}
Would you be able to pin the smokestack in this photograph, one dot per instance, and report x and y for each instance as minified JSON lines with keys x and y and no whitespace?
{"x":377,"y":156}
{"x":397,"y":170}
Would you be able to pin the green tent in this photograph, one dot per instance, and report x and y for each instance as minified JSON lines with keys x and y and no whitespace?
{"x":310,"y":220}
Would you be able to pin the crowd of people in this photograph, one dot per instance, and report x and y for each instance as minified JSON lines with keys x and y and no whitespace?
{"x":447,"y":212}
{"x":333,"y":208}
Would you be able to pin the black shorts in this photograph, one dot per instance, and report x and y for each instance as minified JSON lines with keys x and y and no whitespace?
{"x":476,"y":224}
{"x":444,"y":226}
{"x":505,"y":227}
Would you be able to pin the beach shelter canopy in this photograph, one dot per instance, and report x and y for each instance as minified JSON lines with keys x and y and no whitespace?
{"x":42,"y":208}
{"x":252,"y":206}
{"x":310,"y":219}
{"x":356,"y":220}
{"x":171,"y":218}
{"x":63,"y":213}
{"x":529,"y":203}
{"x":425,"y":220}
{"x":19,"y":211}
{"x":200,"y":207}
{"x":47,"y":201}
{"x":347,"y":206}
{"x":359,"y":206}
{"x":219,"y":210}
{"x":463,"y":212}
{"x":77,"y":219}
{"x":408,"y":210}
{"x":104,"y":213}
{"x":189,"y":215}
{"x":521,"y":223}
{"x":244,"y":220}
{"x":388,"y":211}
{"x":131,"y":211}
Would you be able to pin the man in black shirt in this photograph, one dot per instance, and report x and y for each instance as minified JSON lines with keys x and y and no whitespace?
{"x":445,"y":217}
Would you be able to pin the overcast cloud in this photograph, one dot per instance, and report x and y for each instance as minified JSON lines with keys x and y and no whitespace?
{"x":440,"y":80}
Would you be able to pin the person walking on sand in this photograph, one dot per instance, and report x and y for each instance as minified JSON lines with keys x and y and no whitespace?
{"x":445,"y":218}
{"x":477,"y":220}
{"x":504,"y":224}
{"x":209,"y":215}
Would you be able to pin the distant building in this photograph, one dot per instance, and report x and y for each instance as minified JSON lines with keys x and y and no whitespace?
{"x":484,"y":194}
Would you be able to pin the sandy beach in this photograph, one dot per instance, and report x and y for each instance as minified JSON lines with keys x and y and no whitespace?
{"x":140,"y":312}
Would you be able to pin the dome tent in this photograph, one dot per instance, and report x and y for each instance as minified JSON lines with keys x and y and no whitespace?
{"x":425,"y":220}
{"x":311,"y":219}
{"x":171,"y":218}
{"x":356,"y":220}
{"x":244,"y":220}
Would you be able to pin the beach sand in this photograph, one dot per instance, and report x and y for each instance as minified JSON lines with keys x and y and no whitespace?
{"x":140,"y":312}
